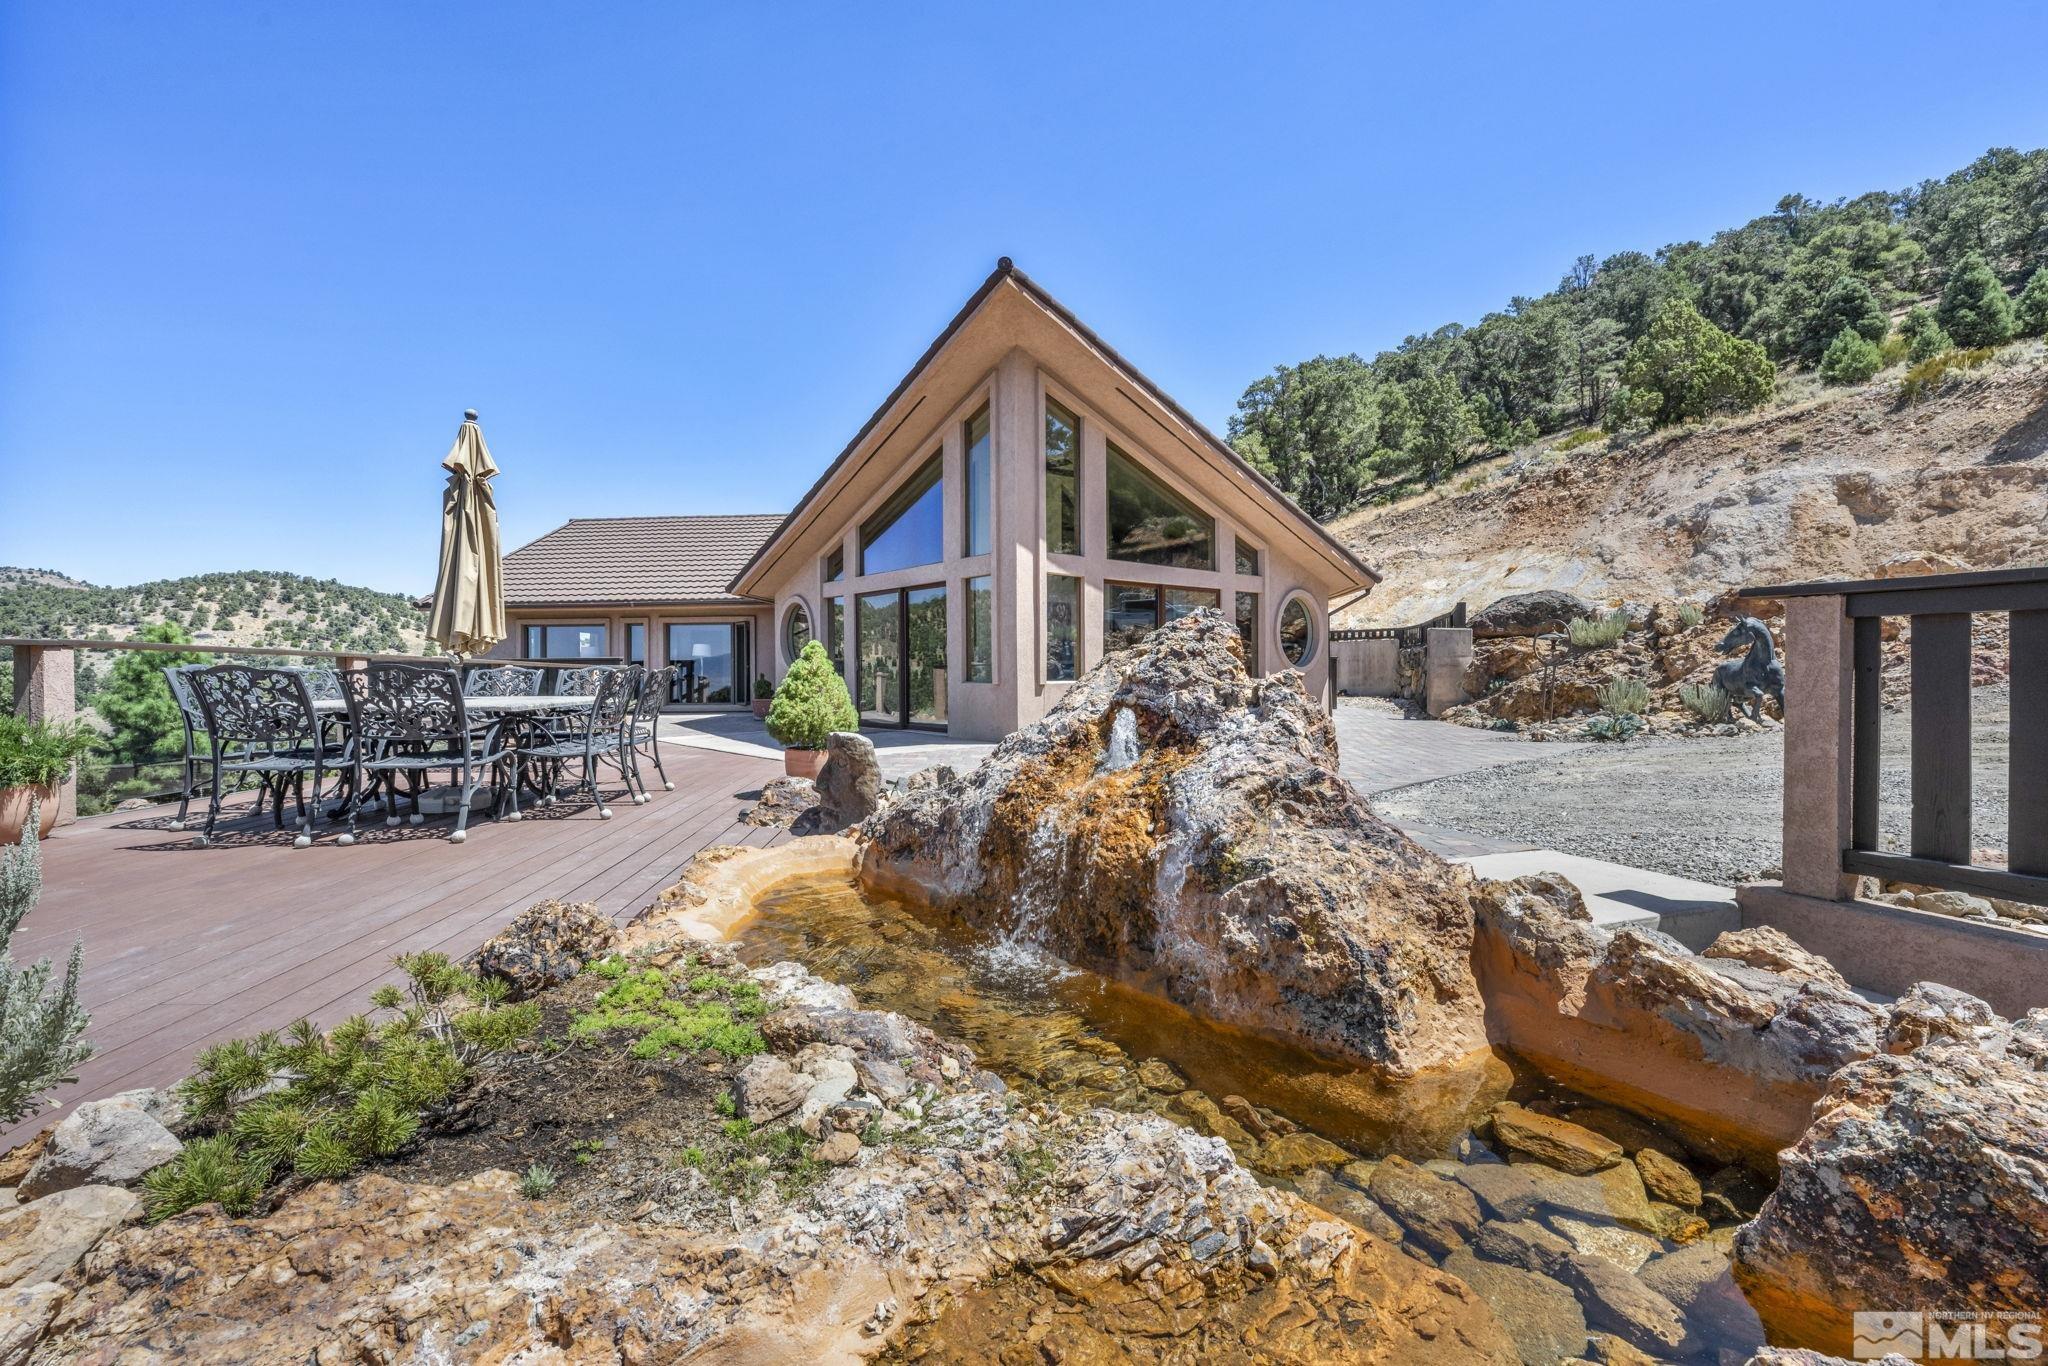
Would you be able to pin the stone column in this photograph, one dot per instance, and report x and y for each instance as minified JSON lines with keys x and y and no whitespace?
{"x":1819,"y":716}
{"x":46,"y":690}
{"x":1447,"y":654}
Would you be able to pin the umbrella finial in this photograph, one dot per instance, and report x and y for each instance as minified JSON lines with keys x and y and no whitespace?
{"x":469,"y":414}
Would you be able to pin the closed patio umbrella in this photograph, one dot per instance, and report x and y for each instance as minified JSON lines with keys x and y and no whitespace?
{"x":468,"y":616}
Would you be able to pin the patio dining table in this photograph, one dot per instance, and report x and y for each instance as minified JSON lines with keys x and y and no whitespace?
{"x":520,"y":716}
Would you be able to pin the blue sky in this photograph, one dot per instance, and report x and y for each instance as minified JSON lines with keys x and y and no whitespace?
{"x":254,"y":261}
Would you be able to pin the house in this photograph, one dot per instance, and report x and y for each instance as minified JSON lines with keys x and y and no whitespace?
{"x":1023,"y":501}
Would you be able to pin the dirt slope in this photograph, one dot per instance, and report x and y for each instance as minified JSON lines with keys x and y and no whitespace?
{"x":1834,"y":486}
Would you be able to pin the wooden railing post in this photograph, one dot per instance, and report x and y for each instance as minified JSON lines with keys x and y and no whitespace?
{"x":46,"y":690}
{"x":1819,"y":712}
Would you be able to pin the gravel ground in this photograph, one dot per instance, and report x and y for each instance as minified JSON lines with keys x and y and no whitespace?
{"x":1706,"y":809}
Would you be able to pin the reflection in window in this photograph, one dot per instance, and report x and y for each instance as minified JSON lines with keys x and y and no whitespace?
{"x":1062,"y":480}
{"x":710,"y":663}
{"x":924,"y":616}
{"x":796,"y":631}
{"x":1131,"y":611}
{"x":1297,"y":632}
{"x":978,"y":494}
{"x":835,"y":633}
{"x":835,"y":565}
{"x":636,"y":642}
{"x":565,"y":642}
{"x":1247,"y":557}
{"x":878,"y":647}
{"x":1151,"y":524}
{"x":1062,"y":626}
{"x":981,"y":630}
{"x":1248,"y":627}
{"x":909,"y":529}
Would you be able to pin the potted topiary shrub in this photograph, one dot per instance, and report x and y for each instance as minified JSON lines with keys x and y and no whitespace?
{"x":35,"y":759}
{"x":764,"y":693}
{"x":811,"y":703}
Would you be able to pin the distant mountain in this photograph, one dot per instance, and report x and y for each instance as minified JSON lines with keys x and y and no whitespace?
{"x":245,"y":608}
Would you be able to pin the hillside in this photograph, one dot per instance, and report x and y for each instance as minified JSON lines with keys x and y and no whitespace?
{"x":249,"y":607}
{"x":1836,"y":484}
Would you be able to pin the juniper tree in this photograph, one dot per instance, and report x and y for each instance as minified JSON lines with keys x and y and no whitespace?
{"x":1924,"y":337}
{"x":1851,"y":358}
{"x":1974,"y":309}
{"x":2031,"y":308}
{"x":40,"y":1030}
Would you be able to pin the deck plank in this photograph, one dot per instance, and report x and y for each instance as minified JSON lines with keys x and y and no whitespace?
{"x":185,"y":946}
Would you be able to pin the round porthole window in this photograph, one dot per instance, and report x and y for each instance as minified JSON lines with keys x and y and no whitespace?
{"x":1297,"y":632}
{"x":796,"y":630}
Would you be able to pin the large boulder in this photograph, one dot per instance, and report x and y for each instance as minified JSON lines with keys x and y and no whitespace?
{"x":545,"y":945}
{"x":1212,"y":855}
{"x":1528,"y":614}
{"x":1731,"y":1057}
{"x":103,"y":1142}
{"x":849,"y":785}
{"x":43,"y":1239}
{"x":1922,"y":1181}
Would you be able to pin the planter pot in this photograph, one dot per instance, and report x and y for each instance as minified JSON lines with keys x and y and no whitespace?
{"x":802,"y":763}
{"x":761,"y":705}
{"x":14,"y":812}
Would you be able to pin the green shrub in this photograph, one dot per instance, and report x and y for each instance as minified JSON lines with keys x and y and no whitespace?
{"x":1597,"y":632}
{"x":713,"y":1013}
{"x":1704,"y":701}
{"x":812,"y":702}
{"x":36,"y":754}
{"x":1928,"y":377}
{"x":1611,"y":727}
{"x":1690,"y":614}
{"x":41,"y":1025}
{"x":539,"y":1180}
{"x":1974,"y":309}
{"x":2030,"y":310}
{"x":1851,"y":358}
{"x":1625,"y":697}
{"x":1924,"y":338}
{"x":213,"y":1170}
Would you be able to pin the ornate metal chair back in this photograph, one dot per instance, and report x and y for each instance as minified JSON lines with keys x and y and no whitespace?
{"x":502,"y":680}
{"x":323,"y":682}
{"x":255,"y":708}
{"x":580,"y":682}
{"x":654,"y":689}
{"x":179,"y":677}
{"x":411,"y":705}
{"x":614,"y":695}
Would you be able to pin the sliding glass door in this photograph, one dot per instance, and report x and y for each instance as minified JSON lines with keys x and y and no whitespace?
{"x":711,"y":662}
{"x":900,"y":657}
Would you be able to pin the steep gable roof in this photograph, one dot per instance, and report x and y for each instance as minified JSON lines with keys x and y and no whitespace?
{"x":632,"y":561}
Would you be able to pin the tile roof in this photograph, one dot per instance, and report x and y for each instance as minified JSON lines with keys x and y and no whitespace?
{"x":633,"y":560}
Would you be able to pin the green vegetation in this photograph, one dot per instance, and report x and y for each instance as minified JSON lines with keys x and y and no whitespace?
{"x":812,"y":702}
{"x":39,"y":754}
{"x":742,"y":1158}
{"x":321,"y":1105}
{"x":137,"y":703}
{"x":2030,"y":310}
{"x":1704,"y":701}
{"x":1691,"y":614}
{"x":285,"y":610}
{"x":1612,"y":726}
{"x":1596,"y":633}
{"x":1338,"y":431}
{"x":1974,"y":309}
{"x":1851,"y":358}
{"x":539,"y":1181}
{"x":1924,"y":337}
{"x":1625,"y":697}
{"x":1930,"y":376}
{"x":1578,"y":439}
{"x":666,"y":1018}
{"x":40,"y":1029}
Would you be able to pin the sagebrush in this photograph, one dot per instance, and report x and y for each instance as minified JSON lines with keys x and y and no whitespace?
{"x":1704,"y":701}
{"x":42,"y":1027}
{"x":1625,"y":697}
{"x":1594,"y":633}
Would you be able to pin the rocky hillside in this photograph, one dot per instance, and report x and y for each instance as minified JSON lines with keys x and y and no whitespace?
{"x":249,"y":607}
{"x":1839,"y":483}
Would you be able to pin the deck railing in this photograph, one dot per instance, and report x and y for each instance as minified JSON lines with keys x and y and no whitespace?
{"x":1834,"y":727}
{"x":1410,"y":637}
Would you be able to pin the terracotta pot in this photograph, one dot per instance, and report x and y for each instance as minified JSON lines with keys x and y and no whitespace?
{"x":761,"y":705}
{"x":14,"y":812}
{"x":802,"y":763}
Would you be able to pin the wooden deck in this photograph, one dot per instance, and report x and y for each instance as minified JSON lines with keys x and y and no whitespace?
{"x":187,"y":945}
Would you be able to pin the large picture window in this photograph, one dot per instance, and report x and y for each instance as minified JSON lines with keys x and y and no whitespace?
{"x":981,"y":630}
{"x":1151,"y":524}
{"x":1062,"y":627}
{"x":979,"y":495}
{"x":909,"y":529}
{"x":711,"y":663}
{"x":900,"y":643}
{"x":1131,"y":611}
{"x":565,"y":642}
{"x":1062,"y":480}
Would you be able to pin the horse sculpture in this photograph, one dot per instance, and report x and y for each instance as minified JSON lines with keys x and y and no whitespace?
{"x":1748,"y":680}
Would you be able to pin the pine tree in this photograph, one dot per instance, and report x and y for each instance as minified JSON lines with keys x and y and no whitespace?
{"x":137,"y":704}
{"x":1685,"y":368}
{"x":1851,"y":358}
{"x":1974,"y":309}
{"x":1847,"y":304}
{"x":40,"y":1042}
{"x":1924,"y":337}
{"x":2030,"y":310}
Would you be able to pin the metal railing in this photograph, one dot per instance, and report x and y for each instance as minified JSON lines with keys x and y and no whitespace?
{"x":1939,"y":608}
{"x":1410,"y":637}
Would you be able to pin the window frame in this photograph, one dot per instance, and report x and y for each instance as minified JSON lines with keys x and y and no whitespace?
{"x":742,"y":639}
{"x":1239,"y":545}
{"x":797,"y":606}
{"x":1308,"y":654}
{"x":1076,"y":603}
{"x":972,"y":488}
{"x":1070,"y":546}
{"x":967,"y":595}
{"x":912,"y":490}
{"x":603,"y":628}
{"x":1112,"y":454}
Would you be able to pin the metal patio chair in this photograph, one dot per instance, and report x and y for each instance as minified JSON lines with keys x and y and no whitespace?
{"x":410,"y":720}
{"x":193,"y":717}
{"x":642,"y":723}
{"x":501,"y":680}
{"x":589,"y":738}
{"x":260,"y":722}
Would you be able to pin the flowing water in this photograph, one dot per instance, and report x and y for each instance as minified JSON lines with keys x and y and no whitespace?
{"x":1059,"y":1033}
